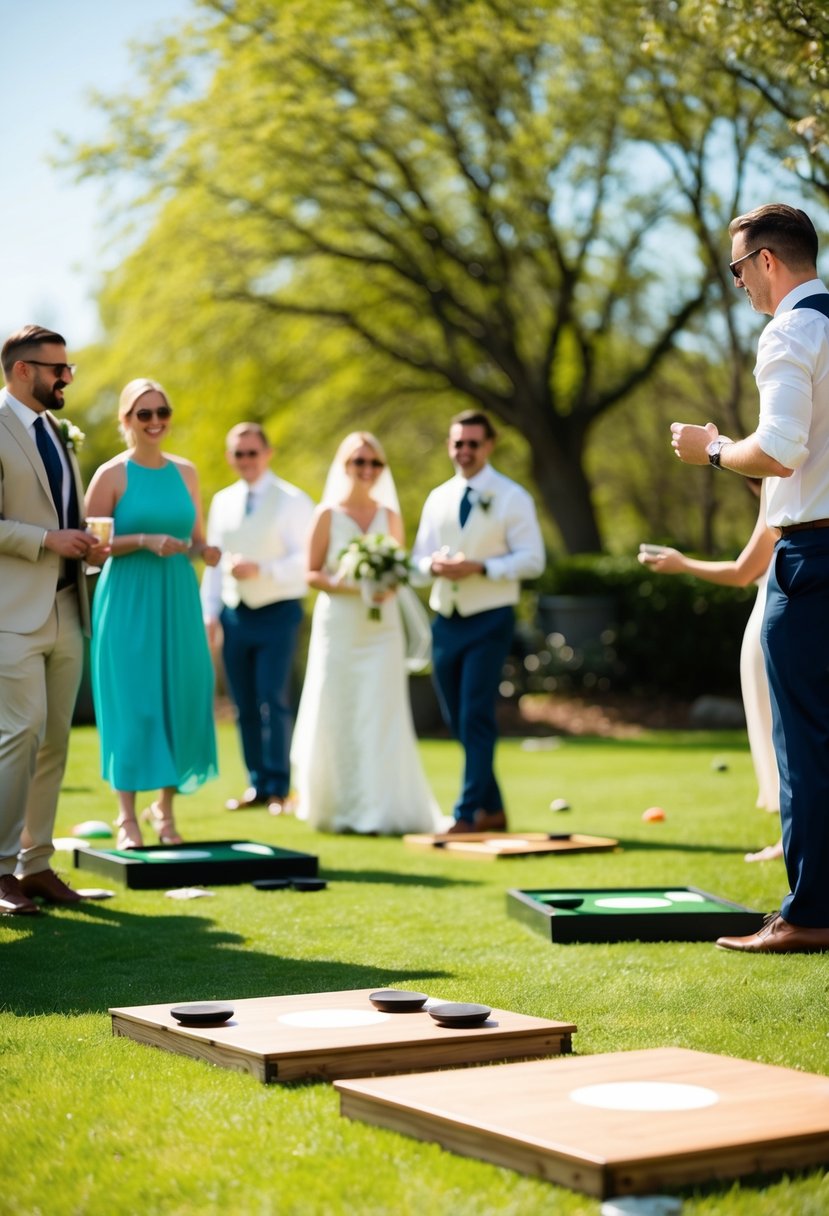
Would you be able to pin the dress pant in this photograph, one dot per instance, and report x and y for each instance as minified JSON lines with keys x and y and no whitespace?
{"x":40,"y":674}
{"x":796,"y":646}
{"x":258,"y":651}
{"x":468,"y":655}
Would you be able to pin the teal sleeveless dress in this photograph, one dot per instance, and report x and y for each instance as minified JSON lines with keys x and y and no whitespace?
{"x":152,"y":678}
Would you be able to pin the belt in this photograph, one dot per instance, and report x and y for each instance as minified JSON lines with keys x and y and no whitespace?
{"x":787,"y":529}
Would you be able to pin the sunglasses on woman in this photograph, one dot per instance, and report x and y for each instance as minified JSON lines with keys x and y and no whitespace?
{"x":362,"y":462}
{"x":162,"y":414}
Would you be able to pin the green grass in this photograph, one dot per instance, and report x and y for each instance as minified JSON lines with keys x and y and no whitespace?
{"x":92,"y":1124}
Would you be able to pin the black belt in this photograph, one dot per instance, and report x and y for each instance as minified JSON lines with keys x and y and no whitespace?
{"x":786,"y":529}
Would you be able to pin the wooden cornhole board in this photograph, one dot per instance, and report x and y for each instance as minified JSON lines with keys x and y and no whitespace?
{"x":492,"y":846}
{"x":339,"y":1034}
{"x":615,"y":1124}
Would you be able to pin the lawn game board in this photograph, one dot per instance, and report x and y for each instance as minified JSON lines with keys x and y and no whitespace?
{"x":205,"y":862}
{"x":621,"y":1123}
{"x":339,"y":1034}
{"x":645,"y":914}
{"x":492,"y":846}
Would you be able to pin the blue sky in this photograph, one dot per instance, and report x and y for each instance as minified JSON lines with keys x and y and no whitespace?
{"x":52,"y":251}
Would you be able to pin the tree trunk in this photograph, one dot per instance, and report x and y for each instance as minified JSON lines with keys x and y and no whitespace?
{"x":565,"y":491}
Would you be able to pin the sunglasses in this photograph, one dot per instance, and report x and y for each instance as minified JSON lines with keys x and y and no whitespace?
{"x":162,"y":414}
{"x":57,"y":368}
{"x":246,"y":453}
{"x":473,"y":444}
{"x":362,"y":462}
{"x":732,"y":266}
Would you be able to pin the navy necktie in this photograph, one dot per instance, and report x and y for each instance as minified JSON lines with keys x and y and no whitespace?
{"x":52,"y":463}
{"x":466,"y":505}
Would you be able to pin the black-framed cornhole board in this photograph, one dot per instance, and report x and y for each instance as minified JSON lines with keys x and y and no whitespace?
{"x":324,"y":1035}
{"x":204,"y":862}
{"x":614,"y":1124}
{"x":646,"y":914}
{"x":492,"y":846}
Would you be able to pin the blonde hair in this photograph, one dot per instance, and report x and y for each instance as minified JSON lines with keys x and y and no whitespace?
{"x":354,"y":442}
{"x":129,"y":395}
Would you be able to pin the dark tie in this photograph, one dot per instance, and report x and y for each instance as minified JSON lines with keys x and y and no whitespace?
{"x":52,"y":463}
{"x":466,"y":505}
{"x":250,"y":502}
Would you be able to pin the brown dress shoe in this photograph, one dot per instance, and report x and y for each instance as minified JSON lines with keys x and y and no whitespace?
{"x":461,"y":827}
{"x":13,"y":902}
{"x":777,"y":936}
{"x":249,"y":799}
{"x":50,"y":888}
{"x":490,"y":821}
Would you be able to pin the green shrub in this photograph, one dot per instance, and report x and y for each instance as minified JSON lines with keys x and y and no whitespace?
{"x":665,"y":634}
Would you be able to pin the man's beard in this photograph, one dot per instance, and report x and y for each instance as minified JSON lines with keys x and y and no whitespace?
{"x":47,"y":397}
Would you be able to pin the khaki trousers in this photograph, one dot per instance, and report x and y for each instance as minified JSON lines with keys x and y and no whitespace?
{"x":40,"y":674}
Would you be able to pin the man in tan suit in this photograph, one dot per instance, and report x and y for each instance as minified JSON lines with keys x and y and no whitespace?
{"x":44,"y":613}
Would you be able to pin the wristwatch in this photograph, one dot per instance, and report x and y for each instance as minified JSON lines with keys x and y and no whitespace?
{"x":714,"y":449}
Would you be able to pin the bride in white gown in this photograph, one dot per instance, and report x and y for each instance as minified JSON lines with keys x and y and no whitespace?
{"x":354,"y":753}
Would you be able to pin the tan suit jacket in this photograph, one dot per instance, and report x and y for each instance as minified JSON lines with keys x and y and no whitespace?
{"x":28,"y":573}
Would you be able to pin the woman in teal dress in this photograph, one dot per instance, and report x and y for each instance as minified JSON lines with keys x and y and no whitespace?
{"x":152,"y":678}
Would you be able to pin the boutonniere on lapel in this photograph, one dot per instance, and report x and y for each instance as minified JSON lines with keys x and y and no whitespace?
{"x":72,"y":436}
{"x":484,"y":501}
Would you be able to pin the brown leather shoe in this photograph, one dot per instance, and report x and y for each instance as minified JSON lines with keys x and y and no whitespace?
{"x":249,"y":799}
{"x":13,"y":902}
{"x":777,"y":936}
{"x":490,"y":821}
{"x":461,"y":827}
{"x":50,"y":888}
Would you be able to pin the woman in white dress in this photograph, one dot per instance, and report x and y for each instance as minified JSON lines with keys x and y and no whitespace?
{"x":354,"y":754}
{"x":752,"y":566}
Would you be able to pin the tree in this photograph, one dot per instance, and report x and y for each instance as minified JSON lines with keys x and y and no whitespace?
{"x":458,"y":187}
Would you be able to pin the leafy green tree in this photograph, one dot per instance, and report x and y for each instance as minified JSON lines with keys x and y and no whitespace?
{"x":423,"y":204}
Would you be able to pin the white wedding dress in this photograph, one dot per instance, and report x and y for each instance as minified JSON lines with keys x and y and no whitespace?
{"x":354,"y":754}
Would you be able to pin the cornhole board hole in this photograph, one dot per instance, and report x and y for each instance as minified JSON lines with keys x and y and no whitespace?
{"x":324,"y":1035}
{"x":618,"y":914}
{"x":492,"y":846}
{"x":205,"y":862}
{"x":623,"y":1123}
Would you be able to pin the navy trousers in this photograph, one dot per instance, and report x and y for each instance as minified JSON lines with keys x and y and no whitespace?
{"x":796,"y":646}
{"x":468,"y":655}
{"x":259,"y":645}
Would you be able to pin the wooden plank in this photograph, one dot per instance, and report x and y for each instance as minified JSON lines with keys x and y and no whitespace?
{"x":490,"y":846}
{"x":760,"y":1118}
{"x":275,"y":1038}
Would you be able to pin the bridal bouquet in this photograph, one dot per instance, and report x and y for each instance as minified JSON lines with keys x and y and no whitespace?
{"x":375,"y":563}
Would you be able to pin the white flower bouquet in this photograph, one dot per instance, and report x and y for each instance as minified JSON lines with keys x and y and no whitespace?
{"x":375,"y":563}
{"x":71,"y":435}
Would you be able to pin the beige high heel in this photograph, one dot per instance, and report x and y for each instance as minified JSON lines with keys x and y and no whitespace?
{"x":129,"y":835}
{"x":163,"y":825}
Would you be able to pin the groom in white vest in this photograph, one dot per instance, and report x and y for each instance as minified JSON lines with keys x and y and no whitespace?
{"x":478,"y":537}
{"x":261,"y":524}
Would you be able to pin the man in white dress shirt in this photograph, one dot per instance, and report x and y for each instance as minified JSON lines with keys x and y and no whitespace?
{"x":774,"y":251}
{"x":261,"y":524}
{"x":478,"y":537}
{"x":44,"y":613}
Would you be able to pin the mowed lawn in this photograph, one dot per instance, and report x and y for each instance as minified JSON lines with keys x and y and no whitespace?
{"x":91,"y":1124}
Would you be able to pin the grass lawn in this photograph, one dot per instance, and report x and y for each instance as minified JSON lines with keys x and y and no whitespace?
{"x":92,"y":1124}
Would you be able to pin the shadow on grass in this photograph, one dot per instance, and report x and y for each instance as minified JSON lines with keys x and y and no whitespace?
{"x":97,"y":957}
{"x":396,"y":878}
{"x":680,"y":846}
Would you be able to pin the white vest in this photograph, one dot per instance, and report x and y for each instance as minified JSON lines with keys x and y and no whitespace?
{"x":482,"y":536}
{"x":258,"y":537}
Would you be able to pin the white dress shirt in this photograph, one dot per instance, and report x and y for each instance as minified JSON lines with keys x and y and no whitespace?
{"x":792,"y":374}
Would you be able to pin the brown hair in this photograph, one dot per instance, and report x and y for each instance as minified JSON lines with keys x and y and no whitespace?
{"x":783,"y":230}
{"x":475,"y":418}
{"x":25,"y":342}
{"x":246,"y":428}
